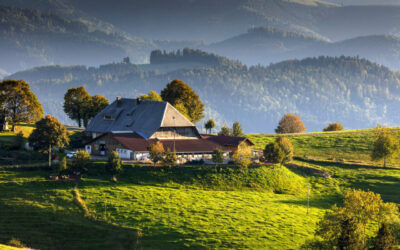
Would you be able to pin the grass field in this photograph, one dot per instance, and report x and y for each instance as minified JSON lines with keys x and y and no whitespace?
{"x":340,"y":147}
{"x":197,"y":207}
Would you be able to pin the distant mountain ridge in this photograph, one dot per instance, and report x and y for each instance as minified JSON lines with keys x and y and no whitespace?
{"x":265,"y":45}
{"x":353,"y":91}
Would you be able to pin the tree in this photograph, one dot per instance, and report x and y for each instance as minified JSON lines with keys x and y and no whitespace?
{"x":225,"y":131}
{"x":290,"y":123}
{"x":152,"y":96}
{"x":80,"y":162}
{"x":96,"y":104}
{"x":280,"y":151}
{"x":77,"y":102}
{"x":210,"y":124}
{"x":49,"y":133}
{"x":242,"y":155}
{"x":237,"y":129}
{"x":156,"y":152}
{"x":180,"y":94}
{"x":385,"y":239}
{"x":19,"y":103}
{"x":114,"y":165}
{"x":385,"y":145}
{"x":333,"y":127}
{"x":218,"y":156}
{"x":169,"y":158}
{"x":345,"y":227}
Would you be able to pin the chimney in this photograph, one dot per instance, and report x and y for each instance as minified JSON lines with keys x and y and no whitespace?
{"x":138,"y":100}
{"x":119,"y":101}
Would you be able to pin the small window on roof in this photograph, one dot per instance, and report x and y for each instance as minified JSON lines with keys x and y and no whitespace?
{"x":108,"y":117}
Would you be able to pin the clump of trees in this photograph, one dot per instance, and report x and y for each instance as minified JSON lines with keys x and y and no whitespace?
{"x":280,"y":151}
{"x":18,"y":103}
{"x":49,"y":133}
{"x":184,"y":99}
{"x":290,"y":123}
{"x":209,"y":125}
{"x":81,"y":107}
{"x":114,"y":165}
{"x":346,"y":227}
{"x":236,"y":130}
{"x":335,"y":126}
{"x":386,"y":145}
{"x":187,"y":55}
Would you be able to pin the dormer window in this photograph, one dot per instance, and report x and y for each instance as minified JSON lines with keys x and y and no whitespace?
{"x":108,"y":117}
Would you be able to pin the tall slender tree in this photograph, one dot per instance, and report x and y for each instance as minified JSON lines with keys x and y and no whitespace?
{"x":237,"y":129}
{"x":18,"y":103}
{"x":210,"y":124}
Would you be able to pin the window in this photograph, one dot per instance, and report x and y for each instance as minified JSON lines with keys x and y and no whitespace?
{"x":108,"y":117}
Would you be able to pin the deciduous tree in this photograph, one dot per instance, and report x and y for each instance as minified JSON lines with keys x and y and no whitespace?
{"x":280,"y":151}
{"x":210,"y":124}
{"x":49,"y":133}
{"x":242,"y":156}
{"x":152,"y":96}
{"x":290,"y":123}
{"x":384,"y":240}
{"x":386,"y":145}
{"x":333,"y":127}
{"x":237,"y":129}
{"x":225,"y":131}
{"x":77,"y":102}
{"x":169,"y":158}
{"x":18,"y":103}
{"x":179,"y":93}
{"x":96,"y":104}
{"x":156,"y":152}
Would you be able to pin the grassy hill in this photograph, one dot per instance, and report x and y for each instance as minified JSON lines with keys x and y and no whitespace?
{"x":191,"y":206}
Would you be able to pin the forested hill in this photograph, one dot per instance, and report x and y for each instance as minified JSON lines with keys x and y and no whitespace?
{"x":264,"y":45}
{"x":353,"y":91}
{"x":29,"y":37}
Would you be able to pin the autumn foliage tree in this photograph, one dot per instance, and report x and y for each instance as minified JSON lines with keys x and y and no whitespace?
{"x":184,"y":99}
{"x":156,"y":152}
{"x":290,"y":123}
{"x":242,"y":155}
{"x":18,"y":103}
{"x":335,"y":126}
{"x":49,"y":133}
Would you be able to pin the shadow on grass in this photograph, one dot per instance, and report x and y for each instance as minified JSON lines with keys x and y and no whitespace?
{"x":343,"y":165}
{"x":40,"y":228}
{"x":317,"y":201}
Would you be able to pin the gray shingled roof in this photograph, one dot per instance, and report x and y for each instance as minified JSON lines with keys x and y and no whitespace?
{"x":143,"y":118}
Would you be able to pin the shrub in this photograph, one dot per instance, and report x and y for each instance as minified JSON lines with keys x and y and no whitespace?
{"x":333,"y":127}
{"x":280,"y":151}
{"x":114,"y":165}
{"x":169,"y":158}
{"x":62,"y":166}
{"x":242,"y":156}
{"x":384,"y":239}
{"x":81,"y":161}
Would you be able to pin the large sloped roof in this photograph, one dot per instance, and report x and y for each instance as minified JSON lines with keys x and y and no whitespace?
{"x":144,"y":117}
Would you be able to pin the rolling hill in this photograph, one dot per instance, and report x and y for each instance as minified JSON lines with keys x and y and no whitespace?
{"x":353,"y":91}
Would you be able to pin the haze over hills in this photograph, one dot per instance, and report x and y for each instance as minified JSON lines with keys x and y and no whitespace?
{"x":266,"y":45}
{"x":354,"y":91}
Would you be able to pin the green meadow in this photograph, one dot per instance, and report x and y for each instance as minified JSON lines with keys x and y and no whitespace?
{"x":197,"y":207}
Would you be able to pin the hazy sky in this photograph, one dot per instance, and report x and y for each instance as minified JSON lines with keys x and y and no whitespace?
{"x":364,"y":2}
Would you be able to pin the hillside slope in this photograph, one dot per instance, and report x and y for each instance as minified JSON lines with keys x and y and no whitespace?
{"x":353,"y":91}
{"x":30,"y":38}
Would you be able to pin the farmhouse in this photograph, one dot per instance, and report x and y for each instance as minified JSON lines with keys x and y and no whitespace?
{"x":130,"y":126}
